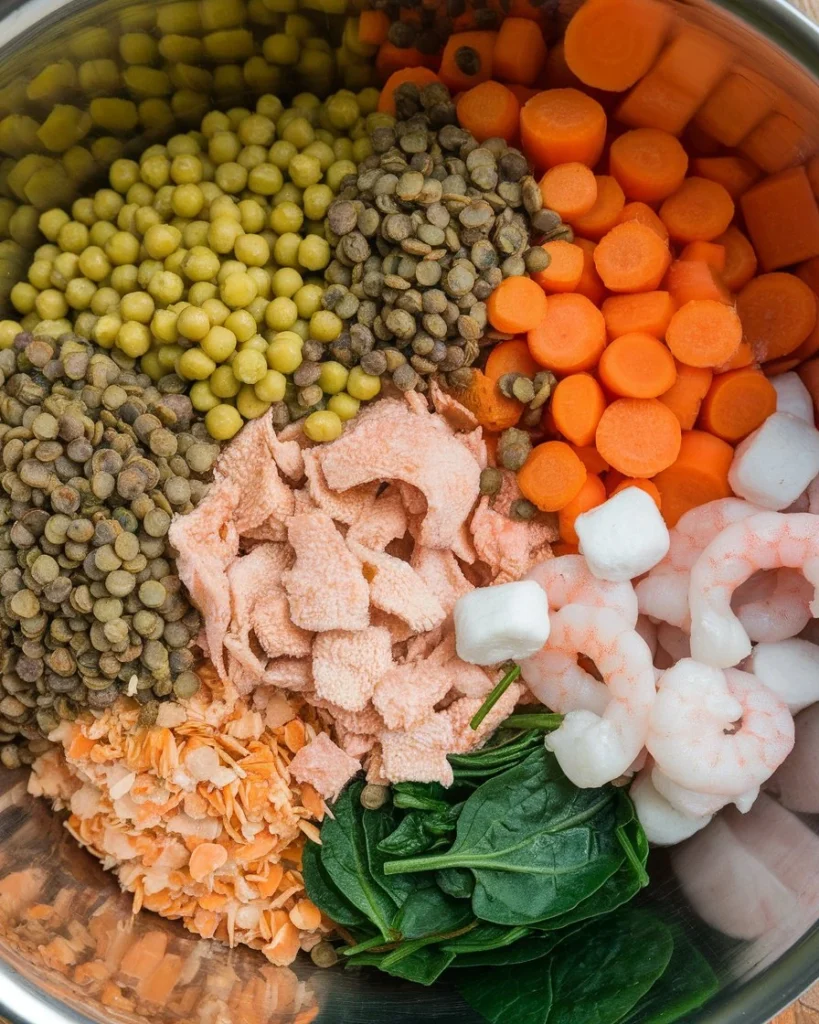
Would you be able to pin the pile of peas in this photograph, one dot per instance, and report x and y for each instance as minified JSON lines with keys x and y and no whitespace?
{"x":204,"y":260}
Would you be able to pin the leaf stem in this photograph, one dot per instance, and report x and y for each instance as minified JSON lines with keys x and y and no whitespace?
{"x":362,"y":947}
{"x":546,"y":722}
{"x":495,"y":696}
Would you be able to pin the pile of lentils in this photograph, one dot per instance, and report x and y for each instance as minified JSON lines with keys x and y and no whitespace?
{"x":96,"y":460}
{"x":422,"y":235}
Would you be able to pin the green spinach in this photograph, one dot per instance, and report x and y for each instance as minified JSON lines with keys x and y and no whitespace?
{"x":526,"y":1001}
{"x":323,"y":892}
{"x":423,"y":966}
{"x":536,"y":844}
{"x":428,"y":911}
{"x":686,"y":983}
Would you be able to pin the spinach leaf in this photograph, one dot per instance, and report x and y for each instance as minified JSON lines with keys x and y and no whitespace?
{"x":600,"y":972}
{"x":344,"y":856}
{"x":429,"y":911}
{"x":625,"y":883}
{"x":536,"y":844}
{"x":420,"y":796}
{"x":424,"y":966}
{"x":522,"y":951}
{"x":499,"y":1000}
{"x":409,"y":838}
{"x":323,"y":892}
{"x":376,"y":827}
{"x":485,"y":937}
{"x":687,"y":983}
{"x":457,"y":882}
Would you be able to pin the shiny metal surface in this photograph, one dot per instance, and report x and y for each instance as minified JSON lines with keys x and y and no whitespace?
{"x":759,"y":929}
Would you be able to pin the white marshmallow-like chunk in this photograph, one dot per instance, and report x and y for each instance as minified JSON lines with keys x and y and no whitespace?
{"x":496,"y":624}
{"x":790,"y":668}
{"x":624,"y":537}
{"x":775,"y":464}
{"x":792,"y":396}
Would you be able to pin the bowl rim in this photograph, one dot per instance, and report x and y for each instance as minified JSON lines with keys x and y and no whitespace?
{"x":777,"y":985}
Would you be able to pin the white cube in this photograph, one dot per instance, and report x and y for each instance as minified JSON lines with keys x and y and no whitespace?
{"x":776,"y":463}
{"x":624,"y":537}
{"x":790,"y":668}
{"x":497,"y":624}
{"x":792,"y":396}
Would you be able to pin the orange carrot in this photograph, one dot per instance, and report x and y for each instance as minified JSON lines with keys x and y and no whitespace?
{"x":778,"y":312}
{"x":602,"y":217}
{"x":552,"y":476}
{"x":776,"y":143}
{"x":808,"y":348}
{"x":565,"y":270}
{"x":734,"y":173}
{"x":644,"y":215}
{"x":685,"y":396}
{"x":611,"y":44}
{"x":638,"y":436}
{"x":699,"y":211}
{"x":561,"y":548}
{"x":631,"y":258}
{"x":563,"y":126}
{"x":704,"y":332}
{"x":570,"y":337}
{"x":516,"y":306}
{"x":782,"y":219}
{"x":812,"y":169}
{"x":737,"y":403}
{"x":698,"y":475}
{"x":589,"y":284}
{"x":735,"y":107}
{"x":744,"y":356}
{"x":645,"y":485}
{"x":569,"y":189}
{"x":637,"y":366}
{"x":467,"y":59}
{"x":396,"y":58}
{"x":695,"y":279}
{"x":809,"y":273}
{"x":591,"y":459}
{"x":556,"y":73}
{"x":645,"y":313}
{"x":489,"y":111}
{"x":522,"y":93}
{"x":809,"y":375}
{"x":520,"y":51}
{"x":577,"y":405}
{"x":590,"y":495}
{"x":672,"y":91}
{"x":493,"y":410}
{"x":373,"y":27}
{"x":705,"y":252}
{"x":740,"y":259}
{"x":511,"y":356}
{"x":698,"y":142}
{"x":649,"y":164}
{"x":775,"y":367}
{"x":415,"y":75}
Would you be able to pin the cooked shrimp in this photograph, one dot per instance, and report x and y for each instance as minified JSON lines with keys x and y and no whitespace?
{"x":694,"y":804}
{"x":768,"y":540}
{"x":605,"y":725}
{"x":774,"y":605}
{"x":717,"y":732}
{"x":663,"y":824}
{"x":663,"y":594}
{"x":648,"y":631}
{"x":568,"y":580}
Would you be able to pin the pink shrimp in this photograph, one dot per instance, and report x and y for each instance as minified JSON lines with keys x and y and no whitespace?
{"x":664,"y":824}
{"x":774,"y":605}
{"x":768,"y":540}
{"x":568,"y":580}
{"x":606,"y":723}
{"x":694,"y":804}
{"x":717,"y":732}
{"x":663,"y":594}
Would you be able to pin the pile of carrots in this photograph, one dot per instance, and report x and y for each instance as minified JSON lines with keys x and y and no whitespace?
{"x":694,"y":271}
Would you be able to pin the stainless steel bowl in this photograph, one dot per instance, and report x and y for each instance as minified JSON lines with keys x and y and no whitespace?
{"x":746,"y":890}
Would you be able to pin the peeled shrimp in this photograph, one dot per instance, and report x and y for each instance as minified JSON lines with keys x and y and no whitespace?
{"x":693,"y":804}
{"x":773,"y":605}
{"x":664,"y":825}
{"x":663,"y":594}
{"x":568,"y":580}
{"x":606,"y":723}
{"x":717,"y":732}
{"x":768,"y":540}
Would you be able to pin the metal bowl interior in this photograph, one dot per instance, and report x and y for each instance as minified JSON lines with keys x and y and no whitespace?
{"x":762,"y":939}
